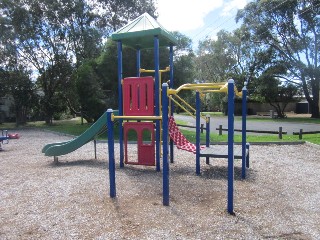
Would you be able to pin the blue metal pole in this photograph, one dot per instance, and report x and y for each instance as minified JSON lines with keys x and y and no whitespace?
{"x":244,"y":129}
{"x":172,"y":103}
{"x":120,"y":102}
{"x":157,"y":99}
{"x":165,"y":166}
{"x":248,"y":155}
{"x":230,"y":145}
{"x":207,"y":136}
{"x":197,"y":133}
{"x":138,"y":62}
{"x":112,"y":171}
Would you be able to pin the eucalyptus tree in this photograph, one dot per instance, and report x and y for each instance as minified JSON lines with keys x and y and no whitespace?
{"x":291,"y":29}
{"x":46,"y":37}
{"x":117,"y":13}
{"x":52,"y":38}
{"x":214,"y":60}
{"x":231,"y":55}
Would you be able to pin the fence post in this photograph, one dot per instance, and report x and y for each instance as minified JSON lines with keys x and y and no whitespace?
{"x":220,"y":130}
{"x":95,"y":148}
{"x":207,"y":135}
{"x":201,"y":127}
{"x":300,"y":134}
{"x":280,"y":132}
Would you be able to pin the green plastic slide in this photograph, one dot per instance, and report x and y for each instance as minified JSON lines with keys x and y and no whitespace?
{"x":62,"y":148}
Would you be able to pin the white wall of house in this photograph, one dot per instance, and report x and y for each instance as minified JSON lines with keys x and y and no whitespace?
{"x":6,"y":105}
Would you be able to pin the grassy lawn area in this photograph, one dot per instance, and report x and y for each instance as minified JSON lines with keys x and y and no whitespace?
{"x":298,"y":118}
{"x":74,"y":127}
{"x":314,"y":138}
{"x":288,"y":119}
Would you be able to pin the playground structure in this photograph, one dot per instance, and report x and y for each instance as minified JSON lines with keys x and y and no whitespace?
{"x":146,"y":106}
{"x":5,"y":136}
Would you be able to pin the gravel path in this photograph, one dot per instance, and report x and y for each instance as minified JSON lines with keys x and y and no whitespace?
{"x":40,"y":200}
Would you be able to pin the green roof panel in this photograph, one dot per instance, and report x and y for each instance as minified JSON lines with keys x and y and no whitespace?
{"x":140,"y":33}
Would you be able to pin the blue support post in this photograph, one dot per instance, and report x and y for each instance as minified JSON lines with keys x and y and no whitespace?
{"x":112,"y":171}
{"x":138,"y":62}
{"x":120,"y":102}
{"x":230,"y":145}
{"x":248,"y":155}
{"x":244,"y":130}
{"x":165,"y":145}
{"x":197,"y":133}
{"x":172,"y":103}
{"x":157,"y":99}
{"x":207,"y":136}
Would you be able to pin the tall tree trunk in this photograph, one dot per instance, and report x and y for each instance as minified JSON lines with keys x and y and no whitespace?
{"x":21,"y":117}
{"x":314,"y":104}
{"x":314,"y":109}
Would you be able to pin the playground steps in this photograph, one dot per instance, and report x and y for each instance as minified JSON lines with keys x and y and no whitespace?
{"x":221,"y":151}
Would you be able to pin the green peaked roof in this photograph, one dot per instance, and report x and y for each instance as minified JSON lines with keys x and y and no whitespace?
{"x":140,"y":33}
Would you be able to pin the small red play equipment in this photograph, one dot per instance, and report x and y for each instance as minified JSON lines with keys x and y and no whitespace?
{"x":4,"y":138}
{"x":138,"y":100}
{"x":13,"y":136}
{"x":145,"y":142}
{"x":138,"y":97}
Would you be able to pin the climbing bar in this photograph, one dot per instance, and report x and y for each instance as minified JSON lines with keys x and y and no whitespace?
{"x":197,"y":86}
{"x":205,"y":88}
{"x":222,"y":90}
{"x":137,"y":117}
{"x":187,"y":104}
{"x":167,"y":69}
{"x":176,"y":102}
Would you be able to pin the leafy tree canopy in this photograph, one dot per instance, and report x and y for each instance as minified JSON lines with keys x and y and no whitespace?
{"x":291,"y":29}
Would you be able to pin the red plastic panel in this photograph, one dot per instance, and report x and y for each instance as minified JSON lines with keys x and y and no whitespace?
{"x":146,"y":151}
{"x":138,"y":96}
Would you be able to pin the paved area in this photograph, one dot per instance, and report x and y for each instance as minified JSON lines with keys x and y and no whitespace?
{"x":288,"y":127}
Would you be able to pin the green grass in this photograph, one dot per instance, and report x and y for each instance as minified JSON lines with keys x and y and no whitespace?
{"x":314,"y":138}
{"x":295,"y":119}
{"x":288,"y":119}
{"x":74,"y":127}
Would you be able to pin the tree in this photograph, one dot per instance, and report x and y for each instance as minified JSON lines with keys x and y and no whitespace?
{"x":89,"y":87}
{"x":277,"y":94}
{"x":291,"y":29}
{"x":117,"y":13}
{"x":215,"y":61}
{"x":53,"y":82}
{"x":45,"y":35}
{"x":231,"y":56}
{"x":18,"y":85}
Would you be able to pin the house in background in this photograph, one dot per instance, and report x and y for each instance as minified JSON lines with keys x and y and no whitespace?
{"x":6,"y":114}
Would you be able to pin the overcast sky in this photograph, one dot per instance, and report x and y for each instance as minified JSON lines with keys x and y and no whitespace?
{"x":199,"y":18}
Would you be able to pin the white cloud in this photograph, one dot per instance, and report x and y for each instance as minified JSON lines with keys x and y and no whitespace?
{"x":182,"y":15}
{"x":231,"y":7}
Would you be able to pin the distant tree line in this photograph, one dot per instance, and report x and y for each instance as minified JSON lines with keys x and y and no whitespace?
{"x":55,"y":56}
